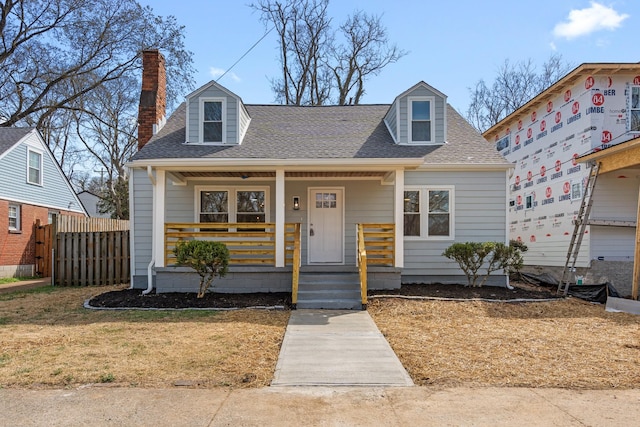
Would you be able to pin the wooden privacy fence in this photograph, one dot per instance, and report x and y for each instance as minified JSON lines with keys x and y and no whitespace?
{"x":83,"y":251}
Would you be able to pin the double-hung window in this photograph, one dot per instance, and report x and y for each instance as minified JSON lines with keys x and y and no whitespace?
{"x":34,"y":167}
{"x":634,"y":109}
{"x":232,"y":204}
{"x":14,"y":217}
{"x":428,"y":212}
{"x":212,"y":112}
{"x":420,"y":111}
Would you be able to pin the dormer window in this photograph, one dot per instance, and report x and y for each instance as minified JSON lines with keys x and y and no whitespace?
{"x":212,"y":114}
{"x":421,"y":117}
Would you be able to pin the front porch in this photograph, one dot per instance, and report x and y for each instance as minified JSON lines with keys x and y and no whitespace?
{"x":252,"y":266}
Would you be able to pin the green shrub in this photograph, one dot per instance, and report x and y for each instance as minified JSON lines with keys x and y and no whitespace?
{"x":209,"y":259}
{"x":472,"y":256}
{"x":515,"y":261}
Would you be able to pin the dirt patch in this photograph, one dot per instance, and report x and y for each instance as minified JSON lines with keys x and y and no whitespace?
{"x":133,"y":298}
{"x":438,"y":290}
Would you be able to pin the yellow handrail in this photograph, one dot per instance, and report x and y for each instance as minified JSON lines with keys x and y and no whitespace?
{"x":362,"y":265}
{"x":296,"y":265}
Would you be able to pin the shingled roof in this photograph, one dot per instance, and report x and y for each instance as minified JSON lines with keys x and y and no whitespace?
{"x":325,"y":132}
{"x":10,"y":136}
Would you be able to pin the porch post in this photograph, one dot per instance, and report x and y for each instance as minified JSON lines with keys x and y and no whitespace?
{"x":399,"y":217}
{"x":158,"y":223}
{"x":280,"y":218}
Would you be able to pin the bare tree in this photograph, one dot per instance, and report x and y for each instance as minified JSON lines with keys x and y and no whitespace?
{"x":72,"y":68}
{"x":317,"y":61}
{"x":514,"y":85}
{"x":365,"y":51}
{"x":54,"y":52}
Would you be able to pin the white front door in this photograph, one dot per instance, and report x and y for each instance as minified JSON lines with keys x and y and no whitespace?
{"x":326,"y":226}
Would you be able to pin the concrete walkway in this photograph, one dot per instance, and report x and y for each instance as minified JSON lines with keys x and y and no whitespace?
{"x":24,"y":285}
{"x":336,"y":348}
{"x":319,"y":406}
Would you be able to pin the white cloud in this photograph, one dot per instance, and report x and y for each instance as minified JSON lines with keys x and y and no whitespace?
{"x":218,"y":72}
{"x":553,"y":46}
{"x":586,"y":21}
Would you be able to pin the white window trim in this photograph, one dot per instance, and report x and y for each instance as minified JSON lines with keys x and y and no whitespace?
{"x":571,"y":184}
{"x":432,"y":102}
{"x":233,"y":199}
{"x":533,"y":199}
{"x":201,"y":121}
{"x":631,"y":109}
{"x":424,"y":211}
{"x":40,"y":153}
{"x":18,"y":226}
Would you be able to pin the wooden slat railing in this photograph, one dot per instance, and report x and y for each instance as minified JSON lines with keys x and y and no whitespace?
{"x":248,"y":243}
{"x":379,"y":241}
{"x":362,"y":265}
{"x":296,"y":265}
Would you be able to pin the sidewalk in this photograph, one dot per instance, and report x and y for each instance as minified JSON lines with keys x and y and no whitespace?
{"x":24,"y":285}
{"x":315,"y":406}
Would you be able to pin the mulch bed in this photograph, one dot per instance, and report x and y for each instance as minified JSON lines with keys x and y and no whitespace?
{"x":134,"y":298}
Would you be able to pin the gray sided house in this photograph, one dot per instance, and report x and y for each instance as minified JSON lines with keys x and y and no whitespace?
{"x":315,"y":187}
{"x":32,"y":187}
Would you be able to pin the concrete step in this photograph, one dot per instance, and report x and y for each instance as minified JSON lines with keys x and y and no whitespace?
{"x":333,"y":290}
{"x":330,"y":304}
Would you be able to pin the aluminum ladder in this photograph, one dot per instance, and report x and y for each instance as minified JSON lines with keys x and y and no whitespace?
{"x":580,"y":226}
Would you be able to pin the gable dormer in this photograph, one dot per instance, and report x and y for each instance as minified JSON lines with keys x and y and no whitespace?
{"x":418,"y":116}
{"x":215,"y":116}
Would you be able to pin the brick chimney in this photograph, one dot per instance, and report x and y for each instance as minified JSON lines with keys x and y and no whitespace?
{"x":153,"y":98}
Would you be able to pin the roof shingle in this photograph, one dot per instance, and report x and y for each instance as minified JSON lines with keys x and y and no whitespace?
{"x":326,"y":132}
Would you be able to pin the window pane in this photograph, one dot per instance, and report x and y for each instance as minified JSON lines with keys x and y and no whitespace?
{"x":212,"y":132}
{"x":214,"y":218}
{"x":420,"y":110}
{"x":635,"y":97}
{"x":439,"y":201}
{"x":635,"y":120}
{"x":13,"y":217}
{"x":438,"y":224}
{"x":412,"y":201}
{"x":411,"y":224}
{"x":250,"y":201}
{"x":214,"y":202}
{"x":34,"y":160}
{"x":253,"y":217}
{"x":421,"y":131}
{"x":213,"y":111}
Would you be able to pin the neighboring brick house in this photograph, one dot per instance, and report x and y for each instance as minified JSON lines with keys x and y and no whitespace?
{"x":32,"y":187}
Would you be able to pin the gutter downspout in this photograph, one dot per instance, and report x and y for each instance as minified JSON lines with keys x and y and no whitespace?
{"x":153,"y":222}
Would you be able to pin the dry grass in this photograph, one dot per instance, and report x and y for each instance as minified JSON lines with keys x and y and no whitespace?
{"x":568,"y":344}
{"x":47,"y":339}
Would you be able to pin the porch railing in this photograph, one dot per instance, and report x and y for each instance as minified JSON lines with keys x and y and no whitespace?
{"x":296,"y":264}
{"x":248,"y":243}
{"x":362,"y":266}
{"x":376,"y":246}
{"x":379,"y":241}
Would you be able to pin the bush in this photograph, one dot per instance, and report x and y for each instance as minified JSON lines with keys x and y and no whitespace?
{"x":209,"y":259}
{"x":515,"y":261}
{"x":472,"y":256}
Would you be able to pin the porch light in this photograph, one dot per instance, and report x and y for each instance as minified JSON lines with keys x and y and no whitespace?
{"x":296,"y":203}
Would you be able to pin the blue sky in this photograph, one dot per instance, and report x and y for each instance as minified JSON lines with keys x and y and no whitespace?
{"x":451,"y":45}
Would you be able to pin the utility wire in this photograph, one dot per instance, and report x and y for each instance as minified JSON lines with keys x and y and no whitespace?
{"x":245,"y":54}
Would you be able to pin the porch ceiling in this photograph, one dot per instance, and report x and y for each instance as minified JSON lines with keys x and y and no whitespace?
{"x":292,"y":174}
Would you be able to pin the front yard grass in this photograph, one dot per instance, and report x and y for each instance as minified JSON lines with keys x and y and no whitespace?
{"x":47,"y":339}
{"x":567,"y":343}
